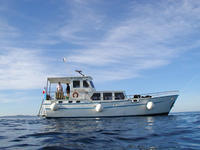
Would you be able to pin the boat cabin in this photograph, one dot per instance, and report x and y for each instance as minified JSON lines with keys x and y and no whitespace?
{"x":81,"y":88}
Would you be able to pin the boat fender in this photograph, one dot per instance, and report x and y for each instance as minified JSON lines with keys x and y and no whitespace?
{"x":150,"y":105}
{"x":53,"y":106}
{"x":99,"y":108}
{"x":75,"y":95}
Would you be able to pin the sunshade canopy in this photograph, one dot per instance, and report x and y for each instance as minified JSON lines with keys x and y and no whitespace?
{"x":67,"y":79}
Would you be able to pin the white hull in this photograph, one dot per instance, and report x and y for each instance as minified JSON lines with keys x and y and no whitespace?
{"x":161,"y":105}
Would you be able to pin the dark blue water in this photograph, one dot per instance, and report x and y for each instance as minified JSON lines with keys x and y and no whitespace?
{"x":176,"y":131}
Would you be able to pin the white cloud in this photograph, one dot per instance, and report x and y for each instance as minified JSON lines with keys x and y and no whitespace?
{"x":20,"y":69}
{"x":7,"y":32}
{"x":80,"y":24}
{"x":152,"y":36}
{"x":148,"y":36}
{"x":9,"y":97}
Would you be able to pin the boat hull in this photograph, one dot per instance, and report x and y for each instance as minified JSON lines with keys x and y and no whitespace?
{"x":161,"y":106}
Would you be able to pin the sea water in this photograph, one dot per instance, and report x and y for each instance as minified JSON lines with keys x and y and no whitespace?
{"x":175,"y":131}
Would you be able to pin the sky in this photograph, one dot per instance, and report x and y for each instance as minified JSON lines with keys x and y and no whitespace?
{"x":139,"y":46}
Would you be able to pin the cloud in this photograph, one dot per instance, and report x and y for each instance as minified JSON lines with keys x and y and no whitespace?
{"x":150,"y":37}
{"x":13,"y":96}
{"x":20,"y":69}
{"x":7,"y":32}
{"x":147,"y":36}
{"x":80,"y":23}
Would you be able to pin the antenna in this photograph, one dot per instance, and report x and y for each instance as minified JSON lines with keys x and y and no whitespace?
{"x":80,"y":72}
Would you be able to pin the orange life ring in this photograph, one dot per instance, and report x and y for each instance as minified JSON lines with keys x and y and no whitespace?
{"x":75,"y":95}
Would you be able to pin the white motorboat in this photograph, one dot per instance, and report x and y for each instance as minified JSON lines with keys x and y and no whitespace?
{"x":84,"y":101}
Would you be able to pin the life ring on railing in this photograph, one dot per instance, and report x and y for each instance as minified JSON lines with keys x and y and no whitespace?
{"x":75,"y":95}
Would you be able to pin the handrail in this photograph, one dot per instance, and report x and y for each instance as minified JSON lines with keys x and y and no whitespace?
{"x":40,"y":107}
{"x":157,"y":94}
{"x":52,"y":95}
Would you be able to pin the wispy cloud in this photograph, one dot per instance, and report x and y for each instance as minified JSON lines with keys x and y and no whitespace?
{"x":13,"y":96}
{"x":7,"y":33}
{"x":149,"y":37}
{"x":80,"y":24}
{"x":104,"y":45}
{"x":20,"y":69}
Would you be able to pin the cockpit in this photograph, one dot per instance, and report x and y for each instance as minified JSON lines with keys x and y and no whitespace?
{"x":70,"y":87}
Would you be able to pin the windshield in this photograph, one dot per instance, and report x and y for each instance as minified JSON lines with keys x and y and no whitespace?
{"x":92,"y":84}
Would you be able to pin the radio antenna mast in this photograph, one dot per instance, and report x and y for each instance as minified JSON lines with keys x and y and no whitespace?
{"x":80,"y":72}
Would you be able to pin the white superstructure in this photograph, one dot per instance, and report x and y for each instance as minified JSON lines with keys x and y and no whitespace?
{"x":85,"y":101}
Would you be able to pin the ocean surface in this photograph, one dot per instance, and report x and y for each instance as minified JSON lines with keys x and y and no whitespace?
{"x":176,"y":131}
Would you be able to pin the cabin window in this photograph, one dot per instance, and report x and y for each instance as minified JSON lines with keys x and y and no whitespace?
{"x":85,"y":84}
{"x":96,"y":96}
{"x":107,"y":96}
{"x":119,"y":96}
{"x":92,"y":84}
{"x":76,"y":84}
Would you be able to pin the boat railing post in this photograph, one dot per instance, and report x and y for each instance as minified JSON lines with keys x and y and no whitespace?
{"x":39,"y":113}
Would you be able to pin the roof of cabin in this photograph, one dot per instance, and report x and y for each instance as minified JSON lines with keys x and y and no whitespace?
{"x":67,"y":79}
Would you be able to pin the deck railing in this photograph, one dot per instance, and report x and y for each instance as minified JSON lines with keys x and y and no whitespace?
{"x":157,"y":94}
{"x":52,"y":96}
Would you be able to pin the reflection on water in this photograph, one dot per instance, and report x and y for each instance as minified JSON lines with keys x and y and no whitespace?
{"x":150,"y":123}
{"x":177,"y":131}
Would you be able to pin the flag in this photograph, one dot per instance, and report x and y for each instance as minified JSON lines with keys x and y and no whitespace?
{"x":44,"y":94}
